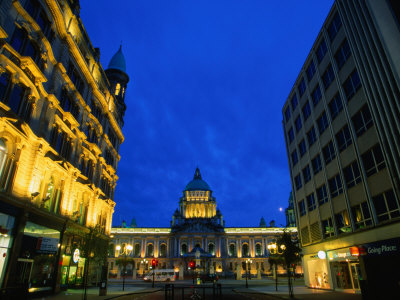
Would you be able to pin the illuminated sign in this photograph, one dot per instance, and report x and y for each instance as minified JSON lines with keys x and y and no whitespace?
{"x":322,"y":254}
{"x":75,"y":257}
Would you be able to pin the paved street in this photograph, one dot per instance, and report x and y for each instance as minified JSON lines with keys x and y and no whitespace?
{"x":231,"y":289}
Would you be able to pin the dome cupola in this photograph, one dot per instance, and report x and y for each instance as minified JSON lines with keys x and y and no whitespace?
{"x":197,"y":184}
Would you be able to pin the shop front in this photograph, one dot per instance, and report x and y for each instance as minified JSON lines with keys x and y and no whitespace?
{"x":72,"y":269}
{"x":6,"y":240}
{"x":345,"y":269}
{"x":318,"y":273}
{"x":381,"y":269}
{"x":37,"y":261}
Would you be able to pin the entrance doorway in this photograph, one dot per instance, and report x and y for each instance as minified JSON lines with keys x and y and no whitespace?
{"x":346,"y":274}
{"x":24,"y":271}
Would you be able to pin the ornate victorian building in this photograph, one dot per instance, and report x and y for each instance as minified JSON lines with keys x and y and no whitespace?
{"x":196,"y":225}
{"x":61,"y":116}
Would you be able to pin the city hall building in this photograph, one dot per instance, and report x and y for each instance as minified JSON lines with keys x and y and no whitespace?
{"x":197,"y":226}
{"x":342,"y":126}
{"x":61,"y":116}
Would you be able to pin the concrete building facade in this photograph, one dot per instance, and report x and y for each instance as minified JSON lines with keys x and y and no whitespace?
{"x":341,"y":125}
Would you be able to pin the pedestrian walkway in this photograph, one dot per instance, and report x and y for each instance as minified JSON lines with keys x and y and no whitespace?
{"x":93,"y":293}
{"x":300,"y":292}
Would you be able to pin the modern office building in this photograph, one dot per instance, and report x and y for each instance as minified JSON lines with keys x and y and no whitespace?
{"x":341,"y":125}
{"x":61,"y":116}
{"x":197,"y":225}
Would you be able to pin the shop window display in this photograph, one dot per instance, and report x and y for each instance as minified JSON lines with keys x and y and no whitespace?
{"x":37,"y":259}
{"x":6,"y":239}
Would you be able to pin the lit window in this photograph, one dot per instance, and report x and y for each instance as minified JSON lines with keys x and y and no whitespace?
{"x":117,"y":89}
{"x":361,"y":215}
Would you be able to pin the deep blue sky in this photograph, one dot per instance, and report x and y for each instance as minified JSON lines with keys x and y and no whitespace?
{"x":208,"y":82}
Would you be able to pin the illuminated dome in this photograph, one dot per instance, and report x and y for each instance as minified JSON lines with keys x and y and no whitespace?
{"x":117,"y":62}
{"x":197,"y":184}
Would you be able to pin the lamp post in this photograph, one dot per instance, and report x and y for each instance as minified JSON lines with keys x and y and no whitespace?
{"x":154,"y":263}
{"x":274,"y":250}
{"x":248,"y":261}
{"x":144,"y":263}
{"x":125,"y":251}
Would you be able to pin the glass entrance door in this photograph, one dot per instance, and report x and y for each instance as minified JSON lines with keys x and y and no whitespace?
{"x":355,"y":271}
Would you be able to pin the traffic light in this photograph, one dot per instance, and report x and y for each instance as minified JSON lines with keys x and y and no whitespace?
{"x":191,"y":264}
{"x":154,"y":262}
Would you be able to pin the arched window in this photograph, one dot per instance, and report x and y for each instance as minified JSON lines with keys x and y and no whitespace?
{"x":211,"y":248}
{"x":245,"y":250}
{"x":137,"y":249}
{"x":183,"y":249}
{"x":258,"y":249}
{"x":117,"y":89}
{"x":150,"y":250}
{"x":197,"y":245}
{"x":163,"y":250}
{"x":232,"y":250}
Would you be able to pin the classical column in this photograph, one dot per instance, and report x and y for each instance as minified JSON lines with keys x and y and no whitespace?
{"x":263,"y":247}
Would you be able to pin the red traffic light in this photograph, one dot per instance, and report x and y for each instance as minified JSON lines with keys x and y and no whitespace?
{"x":154,"y":262}
{"x":191,"y":264}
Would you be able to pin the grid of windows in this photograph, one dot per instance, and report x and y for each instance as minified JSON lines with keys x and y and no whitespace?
{"x":343,"y":138}
{"x":335,"y":106}
{"x":311,"y":204}
{"x":321,"y":51}
{"x":297,"y":181}
{"x":287,"y":114}
{"x":295,"y":158}
{"x":310,"y":70}
{"x":322,"y":194}
{"x":302,"y":208}
{"x":351,"y":85}
{"x":302,"y":148}
{"x":361,"y":215}
{"x":294,"y":102}
{"x":291,"y":135}
{"x":302,"y":87}
{"x":328,"y":77}
{"x":311,"y":136}
{"x":307,"y":174}
{"x":322,"y":122}
{"x":316,"y":95}
{"x":362,"y":120}
{"x":327,"y":228}
{"x":373,"y":160}
{"x":298,"y":124}
{"x":334,"y":27}
{"x":343,"y":222}
{"x":306,"y":110}
{"x":329,"y":153}
{"x":386,"y":206}
{"x":335,"y":186}
{"x":352,"y":174}
{"x":316,"y":164}
{"x":343,"y":54}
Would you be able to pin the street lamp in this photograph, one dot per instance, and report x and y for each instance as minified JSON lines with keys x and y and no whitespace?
{"x":144,"y":262}
{"x":125,"y":252}
{"x":248,"y":261}
{"x":274,"y":250}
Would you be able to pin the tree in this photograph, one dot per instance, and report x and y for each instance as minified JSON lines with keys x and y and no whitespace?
{"x":94,"y":246}
{"x":291,"y":254}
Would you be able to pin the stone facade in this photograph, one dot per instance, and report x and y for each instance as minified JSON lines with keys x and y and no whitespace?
{"x":196,"y":225}
{"x":60,"y":132}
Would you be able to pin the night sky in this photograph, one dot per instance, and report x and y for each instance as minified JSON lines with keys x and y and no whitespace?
{"x":208,"y":80}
